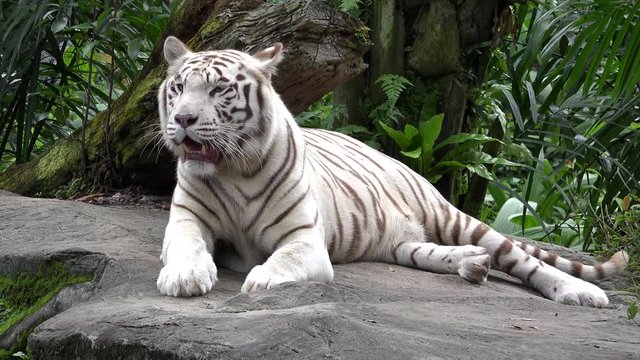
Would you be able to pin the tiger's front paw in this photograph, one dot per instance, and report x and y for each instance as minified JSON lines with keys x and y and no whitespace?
{"x":580,"y":292}
{"x":191,"y":277}
{"x":262,"y":277}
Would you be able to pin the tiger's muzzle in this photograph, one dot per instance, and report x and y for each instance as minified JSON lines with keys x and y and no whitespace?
{"x":193,"y":150}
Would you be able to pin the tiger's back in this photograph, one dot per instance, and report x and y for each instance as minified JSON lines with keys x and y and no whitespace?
{"x":378,"y":206}
{"x":369,"y":201}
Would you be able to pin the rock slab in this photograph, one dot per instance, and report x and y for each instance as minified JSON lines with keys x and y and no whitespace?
{"x":370,"y":311}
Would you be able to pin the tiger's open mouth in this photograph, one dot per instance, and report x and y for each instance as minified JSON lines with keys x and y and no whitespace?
{"x":193,"y":150}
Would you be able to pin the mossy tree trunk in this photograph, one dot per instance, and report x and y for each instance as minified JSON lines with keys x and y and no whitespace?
{"x":387,"y":34}
{"x":324,"y":48}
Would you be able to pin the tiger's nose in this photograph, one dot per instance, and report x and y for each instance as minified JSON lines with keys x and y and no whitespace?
{"x":186,"y":120}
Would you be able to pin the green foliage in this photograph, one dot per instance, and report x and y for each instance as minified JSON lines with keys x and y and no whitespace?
{"x":21,"y":355}
{"x":418,"y":144}
{"x":349,"y":5}
{"x":570,"y":94}
{"x":74,"y":187}
{"x":356,"y":8}
{"x":322,"y":114}
{"x":22,"y":294}
{"x":62,"y":62}
{"x":393,"y":85}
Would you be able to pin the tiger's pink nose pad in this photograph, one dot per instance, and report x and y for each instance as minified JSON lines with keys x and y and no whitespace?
{"x":186,"y":120}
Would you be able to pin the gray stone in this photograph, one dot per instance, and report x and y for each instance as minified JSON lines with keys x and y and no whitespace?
{"x":474,"y":21}
{"x":370,"y":311}
{"x":436,"y":48}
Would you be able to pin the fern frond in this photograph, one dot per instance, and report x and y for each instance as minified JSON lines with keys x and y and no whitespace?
{"x":393,"y":85}
{"x":348,"y":5}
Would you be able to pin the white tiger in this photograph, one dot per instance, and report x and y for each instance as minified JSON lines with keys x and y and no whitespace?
{"x":284,"y":202}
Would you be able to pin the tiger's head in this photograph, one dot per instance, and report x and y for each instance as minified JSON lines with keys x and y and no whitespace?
{"x":215,"y":106}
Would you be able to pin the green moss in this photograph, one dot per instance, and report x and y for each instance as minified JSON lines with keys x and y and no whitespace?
{"x":5,"y":354}
{"x":23,"y":294}
{"x":210,"y":27}
{"x":133,"y":107}
{"x":94,"y":135}
{"x":42,"y":176}
{"x":131,"y":124}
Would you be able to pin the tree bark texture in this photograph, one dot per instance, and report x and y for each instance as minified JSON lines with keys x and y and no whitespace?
{"x":388,"y":36}
{"x":324,"y":48}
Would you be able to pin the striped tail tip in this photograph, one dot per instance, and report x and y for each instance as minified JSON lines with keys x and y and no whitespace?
{"x":620,"y":260}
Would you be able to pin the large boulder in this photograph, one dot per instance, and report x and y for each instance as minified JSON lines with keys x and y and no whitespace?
{"x":370,"y":311}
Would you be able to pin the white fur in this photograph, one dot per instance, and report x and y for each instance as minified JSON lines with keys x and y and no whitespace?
{"x":341,"y":200}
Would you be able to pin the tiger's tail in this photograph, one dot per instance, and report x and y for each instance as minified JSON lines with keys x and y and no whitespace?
{"x":616,"y":264}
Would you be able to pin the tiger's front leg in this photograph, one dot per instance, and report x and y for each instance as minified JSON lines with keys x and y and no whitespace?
{"x":187,"y":256}
{"x":299,"y":256}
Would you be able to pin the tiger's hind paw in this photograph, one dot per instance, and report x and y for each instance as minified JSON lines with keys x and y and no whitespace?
{"x":475,"y":268}
{"x":584,"y":294}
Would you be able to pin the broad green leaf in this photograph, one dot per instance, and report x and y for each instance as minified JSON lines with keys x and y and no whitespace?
{"x":535,"y":184}
{"x":103,"y":20}
{"x":515,"y":109}
{"x":414,"y":154}
{"x":449,"y":164}
{"x":569,"y":236}
{"x":629,"y":60}
{"x":82,"y":26}
{"x":533,"y":102}
{"x":578,"y":69}
{"x":612,"y":59}
{"x":21,"y":355}
{"x":503,"y":161}
{"x":479,"y":169}
{"x":429,"y":131}
{"x":498,"y":195}
{"x":604,"y":44}
{"x":133,"y":48}
{"x":501,"y":223}
{"x":403,"y":139}
{"x":529,"y":220}
{"x":58,"y":24}
{"x":535,"y":233}
{"x":429,"y":108}
{"x":546,"y":207}
{"x":353,"y":129}
{"x":462,"y":138}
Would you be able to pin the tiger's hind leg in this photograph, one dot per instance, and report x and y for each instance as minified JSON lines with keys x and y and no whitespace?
{"x":458,"y":228}
{"x":470,"y":262}
{"x":406,"y":243}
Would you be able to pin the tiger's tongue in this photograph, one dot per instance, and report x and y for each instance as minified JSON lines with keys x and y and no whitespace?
{"x":195,"y":151}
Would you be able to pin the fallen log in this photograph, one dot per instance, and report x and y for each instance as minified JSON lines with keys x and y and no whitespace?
{"x":324,"y":49}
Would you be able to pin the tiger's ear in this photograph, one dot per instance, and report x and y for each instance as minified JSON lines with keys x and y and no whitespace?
{"x":268,"y":59}
{"x":174,"y":51}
